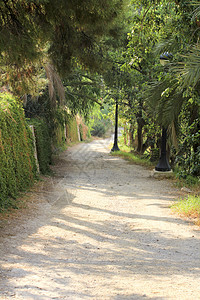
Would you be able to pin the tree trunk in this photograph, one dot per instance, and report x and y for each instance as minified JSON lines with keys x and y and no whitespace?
{"x":139,"y":136}
{"x":131,"y":135}
{"x":125,"y":134}
{"x":140,"y":123}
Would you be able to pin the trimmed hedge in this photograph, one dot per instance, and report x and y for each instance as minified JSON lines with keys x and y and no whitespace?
{"x":43,"y":144}
{"x":17,"y":163}
{"x":72,"y":130}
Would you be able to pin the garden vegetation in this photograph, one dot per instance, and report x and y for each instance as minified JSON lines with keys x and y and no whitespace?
{"x":17,"y":163}
{"x":63,"y":58}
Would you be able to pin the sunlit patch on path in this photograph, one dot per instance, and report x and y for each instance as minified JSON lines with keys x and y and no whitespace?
{"x":104,"y":231}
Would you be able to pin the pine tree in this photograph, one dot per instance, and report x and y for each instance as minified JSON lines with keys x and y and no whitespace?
{"x":65,"y":30}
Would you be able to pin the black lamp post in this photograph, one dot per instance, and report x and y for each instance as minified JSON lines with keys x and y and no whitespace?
{"x":163,"y":164}
{"x":115,"y":145}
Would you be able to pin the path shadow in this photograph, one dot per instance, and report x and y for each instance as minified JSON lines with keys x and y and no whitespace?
{"x":106,"y":246}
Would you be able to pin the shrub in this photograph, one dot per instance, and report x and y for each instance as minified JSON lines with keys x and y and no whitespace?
{"x":155,"y":154}
{"x":188,"y":156}
{"x":17,"y":163}
{"x":98,"y":129}
{"x":54,"y":116}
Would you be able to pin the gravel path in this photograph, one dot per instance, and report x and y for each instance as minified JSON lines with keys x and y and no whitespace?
{"x":102,"y":229}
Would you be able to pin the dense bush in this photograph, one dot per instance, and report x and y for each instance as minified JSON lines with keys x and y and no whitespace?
{"x":188,"y":156}
{"x":56,"y":117}
{"x":98,"y":129}
{"x":43,"y":144}
{"x":17,"y":163}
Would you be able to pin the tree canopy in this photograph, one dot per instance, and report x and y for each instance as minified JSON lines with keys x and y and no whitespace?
{"x":63,"y":29}
{"x":87,"y":50}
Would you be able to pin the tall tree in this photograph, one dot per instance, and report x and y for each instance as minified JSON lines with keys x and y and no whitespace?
{"x":34,"y":33}
{"x":66,"y":29}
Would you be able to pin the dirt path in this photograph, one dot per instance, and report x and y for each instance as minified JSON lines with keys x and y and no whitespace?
{"x":102,"y":230}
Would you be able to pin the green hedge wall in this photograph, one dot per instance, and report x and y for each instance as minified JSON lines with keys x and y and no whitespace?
{"x":72,"y":130}
{"x":43,"y":144}
{"x":17,"y":163}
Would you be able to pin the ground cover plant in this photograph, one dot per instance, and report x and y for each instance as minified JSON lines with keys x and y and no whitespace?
{"x":189,"y":206}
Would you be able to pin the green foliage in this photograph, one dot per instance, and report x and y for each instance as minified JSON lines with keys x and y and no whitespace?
{"x":186,"y":179}
{"x":88,"y":135}
{"x":155,"y":154}
{"x":189,"y":206}
{"x":188,"y":154}
{"x":99,"y":122}
{"x":98,"y":129}
{"x":60,"y":30}
{"x":134,"y":158}
{"x":43,"y":144}
{"x":17,"y":163}
{"x":188,"y":160}
{"x":158,"y":27}
{"x":57,"y":125}
{"x":133,"y":66}
{"x":82,"y":91}
{"x":40,"y":107}
{"x":55,"y":117}
{"x":72,"y":130}
{"x":128,"y":152}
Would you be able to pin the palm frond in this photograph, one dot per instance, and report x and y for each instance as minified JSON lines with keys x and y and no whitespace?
{"x":196,"y":12}
{"x":188,"y":71}
{"x":166,"y":45}
{"x":165,"y":101}
{"x":172,"y":132}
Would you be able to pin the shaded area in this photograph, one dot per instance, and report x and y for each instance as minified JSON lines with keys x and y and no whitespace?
{"x":103,"y":233}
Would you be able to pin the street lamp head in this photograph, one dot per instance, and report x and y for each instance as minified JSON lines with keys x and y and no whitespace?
{"x":165,"y":58}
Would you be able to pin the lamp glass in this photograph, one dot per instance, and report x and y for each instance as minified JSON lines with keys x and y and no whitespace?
{"x":164,"y":62}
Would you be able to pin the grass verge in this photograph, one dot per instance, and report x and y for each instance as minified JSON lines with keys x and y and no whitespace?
{"x":189,"y":207}
{"x":134,"y":158}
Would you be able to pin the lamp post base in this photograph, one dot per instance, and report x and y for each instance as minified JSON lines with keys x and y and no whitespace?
{"x":163,"y":165}
{"x":115,"y":148}
{"x":162,"y":175}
